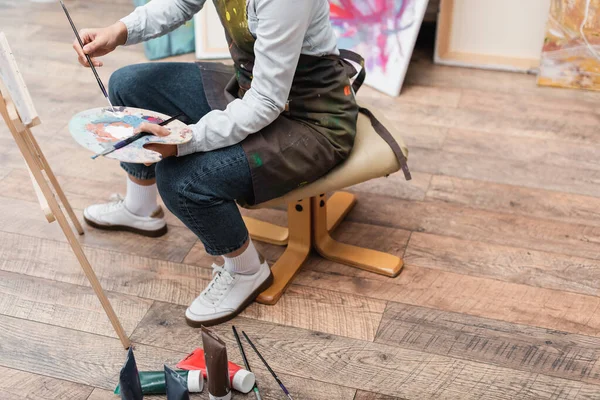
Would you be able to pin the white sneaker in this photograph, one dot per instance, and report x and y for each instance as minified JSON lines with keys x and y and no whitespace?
{"x":227,"y":295}
{"x":114,"y":216}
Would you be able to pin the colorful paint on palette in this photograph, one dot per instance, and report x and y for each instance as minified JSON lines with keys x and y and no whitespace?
{"x":571,"y":52}
{"x":382,"y":31}
{"x":99,"y":127}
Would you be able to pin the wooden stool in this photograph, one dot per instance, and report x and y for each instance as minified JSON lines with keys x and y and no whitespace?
{"x":312,"y":219}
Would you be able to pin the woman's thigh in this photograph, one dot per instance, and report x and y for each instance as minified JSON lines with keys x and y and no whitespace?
{"x":202,"y":180}
{"x":169,"y":88}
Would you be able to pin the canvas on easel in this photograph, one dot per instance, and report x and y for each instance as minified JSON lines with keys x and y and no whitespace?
{"x":19,"y":114}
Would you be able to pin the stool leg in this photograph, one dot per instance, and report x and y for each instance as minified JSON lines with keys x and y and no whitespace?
{"x":267,"y":232}
{"x":298,"y":249}
{"x":369,"y":260}
{"x":338,"y":206}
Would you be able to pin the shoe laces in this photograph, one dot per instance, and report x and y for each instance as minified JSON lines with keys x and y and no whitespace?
{"x":219,"y":285}
{"x":115,"y":201}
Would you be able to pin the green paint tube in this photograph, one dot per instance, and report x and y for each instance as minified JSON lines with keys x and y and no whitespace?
{"x":153,"y":382}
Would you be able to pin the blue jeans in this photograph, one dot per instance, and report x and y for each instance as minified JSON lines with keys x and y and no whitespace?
{"x":201,"y":189}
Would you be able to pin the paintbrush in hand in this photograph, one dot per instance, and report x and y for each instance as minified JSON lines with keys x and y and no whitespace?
{"x":287,"y":393}
{"x":131,"y":139}
{"x":89,"y":60}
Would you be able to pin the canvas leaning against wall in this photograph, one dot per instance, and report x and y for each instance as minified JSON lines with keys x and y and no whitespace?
{"x":571,"y":53}
{"x":384,"y":32}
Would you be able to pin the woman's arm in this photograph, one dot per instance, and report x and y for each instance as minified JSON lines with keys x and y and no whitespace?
{"x":158,"y":18}
{"x":282,"y":25}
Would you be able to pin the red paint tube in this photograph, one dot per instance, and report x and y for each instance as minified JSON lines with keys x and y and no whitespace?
{"x":240,"y":379}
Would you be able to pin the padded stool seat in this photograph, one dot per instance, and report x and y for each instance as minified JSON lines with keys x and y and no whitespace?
{"x":311,"y":216}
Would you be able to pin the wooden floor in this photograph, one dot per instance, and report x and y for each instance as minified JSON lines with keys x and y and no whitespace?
{"x":500,"y":230}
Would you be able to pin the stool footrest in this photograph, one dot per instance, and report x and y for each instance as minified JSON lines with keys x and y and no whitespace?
{"x":310,"y":222}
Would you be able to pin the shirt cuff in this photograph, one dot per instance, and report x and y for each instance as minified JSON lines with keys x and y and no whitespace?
{"x":133,"y":31}
{"x":186,"y":148}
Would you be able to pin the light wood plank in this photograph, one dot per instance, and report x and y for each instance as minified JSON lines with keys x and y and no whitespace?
{"x":321,"y":309}
{"x":524,"y":149}
{"x":539,"y":203}
{"x":423,"y":72}
{"x":416,"y":94}
{"x":488,"y":298}
{"x":324,"y":311}
{"x":118,"y":272}
{"x":19,"y":385}
{"x":396,"y":186}
{"x":70,"y":355}
{"x":66,"y":305}
{"x":373,"y":367}
{"x":548,"y":127}
{"x":81,"y":192}
{"x":471,"y":224}
{"x":362,"y":395}
{"x":496,"y":170}
{"x":504,"y":263}
{"x":548,"y":352}
{"x":173,"y":246}
{"x":536,"y":101}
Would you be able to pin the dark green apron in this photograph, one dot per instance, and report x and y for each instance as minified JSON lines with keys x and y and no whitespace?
{"x":315,"y":132}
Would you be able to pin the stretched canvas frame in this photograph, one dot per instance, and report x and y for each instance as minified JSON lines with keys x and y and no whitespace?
{"x":210,"y":38}
{"x":19,"y":114}
{"x":474,"y":33}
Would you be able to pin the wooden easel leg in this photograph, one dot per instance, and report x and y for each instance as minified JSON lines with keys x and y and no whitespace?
{"x":267,"y":232}
{"x":54,"y":182}
{"x":34,"y":166}
{"x":298,"y":249}
{"x":370,"y":260}
{"x":90,"y":274}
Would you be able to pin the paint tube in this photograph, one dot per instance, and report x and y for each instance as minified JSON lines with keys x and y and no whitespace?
{"x":177,"y":387}
{"x":129,"y":379}
{"x":239,"y":378}
{"x":153,"y":382}
{"x":215,"y":355}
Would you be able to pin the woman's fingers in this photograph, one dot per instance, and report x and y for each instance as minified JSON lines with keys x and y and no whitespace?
{"x":154,"y":129}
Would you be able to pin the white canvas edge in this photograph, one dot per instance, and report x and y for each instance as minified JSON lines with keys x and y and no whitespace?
{"x":396,"y":90}
{"x":490,"y":67}
{"x":10,"y":75}
{"x":201,"y":53}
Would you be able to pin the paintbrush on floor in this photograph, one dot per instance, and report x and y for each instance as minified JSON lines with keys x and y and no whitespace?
{"x":89,"y":60}
{"x":246,"y":364}
{"x":287,"y":393}
{"x":131,"y":139}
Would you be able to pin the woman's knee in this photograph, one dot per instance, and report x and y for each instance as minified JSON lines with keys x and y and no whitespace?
{"x":125,"y":84}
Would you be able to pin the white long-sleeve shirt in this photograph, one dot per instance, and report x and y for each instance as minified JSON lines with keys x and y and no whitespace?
{"x":283,"y":29}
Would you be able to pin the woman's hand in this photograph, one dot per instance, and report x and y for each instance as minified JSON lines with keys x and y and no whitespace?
{"x":99,"y":42}
{"x":166,"y":150}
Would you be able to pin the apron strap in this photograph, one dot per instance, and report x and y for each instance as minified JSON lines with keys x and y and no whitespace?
{"x":357,"y":58}
{"x":389,"y":139}
{"x":377,"y":125}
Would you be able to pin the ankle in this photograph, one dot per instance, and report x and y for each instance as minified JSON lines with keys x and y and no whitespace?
{"x":141,"y":200}
{"x":246,"y":263}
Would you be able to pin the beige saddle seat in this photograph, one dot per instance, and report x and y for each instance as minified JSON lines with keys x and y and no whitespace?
{"x":312,"y":216}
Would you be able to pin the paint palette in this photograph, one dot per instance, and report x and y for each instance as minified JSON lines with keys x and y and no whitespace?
{"x":99,"y":128}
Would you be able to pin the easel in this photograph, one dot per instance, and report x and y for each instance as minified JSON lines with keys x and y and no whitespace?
{"x":16,"y":107}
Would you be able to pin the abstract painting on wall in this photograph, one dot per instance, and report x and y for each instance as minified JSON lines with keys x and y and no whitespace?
{"x":384,"y":32}
{"x":571,"y":53}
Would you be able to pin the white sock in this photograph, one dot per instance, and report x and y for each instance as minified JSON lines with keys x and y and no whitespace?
{"x":247,"y":263}
{"x":141,"y":200}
